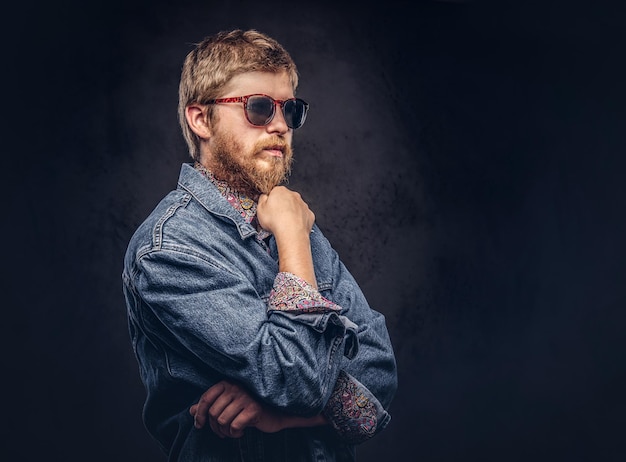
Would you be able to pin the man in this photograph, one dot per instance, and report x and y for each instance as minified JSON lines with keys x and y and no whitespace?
{"x":253,"y":340}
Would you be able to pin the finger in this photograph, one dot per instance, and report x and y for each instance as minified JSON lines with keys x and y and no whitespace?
{"x":215,"y":428}
{"x":248,"y":417}
{"x":221,"y":403}
{"x":204,"y":404}
{"x":229,"y":415}
{"x":193,"y":411}
{"x":219,"y":423}
{"x":213,"y":415}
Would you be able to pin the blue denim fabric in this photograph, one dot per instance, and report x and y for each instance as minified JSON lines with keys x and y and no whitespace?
{"x":196,"y":283}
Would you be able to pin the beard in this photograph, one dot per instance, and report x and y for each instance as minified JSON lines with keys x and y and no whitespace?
{"x":243,"y":171}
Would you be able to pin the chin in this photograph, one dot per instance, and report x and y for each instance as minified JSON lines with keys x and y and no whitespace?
{"x":269,"y":161}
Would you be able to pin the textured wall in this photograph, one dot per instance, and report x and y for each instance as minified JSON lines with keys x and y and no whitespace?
{"x":465,"y":159}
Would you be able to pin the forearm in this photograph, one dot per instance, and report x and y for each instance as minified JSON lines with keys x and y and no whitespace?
{"x":283,"y":213}
{"x":294,"y":255}
{"x":229,"y":409}
{"x":291,"y":421}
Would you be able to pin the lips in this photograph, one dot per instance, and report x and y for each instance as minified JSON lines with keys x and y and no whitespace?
{"x":275,"y":151}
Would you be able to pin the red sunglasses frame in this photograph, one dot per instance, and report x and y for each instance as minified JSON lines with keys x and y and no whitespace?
{"x":244,"y":100}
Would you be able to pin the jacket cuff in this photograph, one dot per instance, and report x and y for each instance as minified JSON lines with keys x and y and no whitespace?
{"x":292,"y":293}
{"x":353,"y":411}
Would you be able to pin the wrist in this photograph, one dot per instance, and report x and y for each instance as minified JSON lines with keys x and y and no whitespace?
{"x":287,"y":235}
{"x":303,"y":422}
{"x":282,"y":421}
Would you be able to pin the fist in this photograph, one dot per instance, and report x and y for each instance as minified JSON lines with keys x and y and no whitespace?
{"x":283,"y":213}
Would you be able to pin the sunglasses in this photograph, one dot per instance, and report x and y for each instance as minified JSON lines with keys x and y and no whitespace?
{"x":260,"y":109}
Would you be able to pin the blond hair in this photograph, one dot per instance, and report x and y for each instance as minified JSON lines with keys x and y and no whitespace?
{"x":216,"y":60}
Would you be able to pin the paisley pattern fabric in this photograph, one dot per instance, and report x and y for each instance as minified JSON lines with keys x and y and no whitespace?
{"x":350,"y":410}
{"x":292,"y":293}
{"x":241,"y":202}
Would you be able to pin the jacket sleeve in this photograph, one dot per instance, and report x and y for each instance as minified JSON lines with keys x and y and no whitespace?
{"x":353,"y":411}
{"x":358,"y":407}
{"x":214,"y":314}
{"x":375,"y":365}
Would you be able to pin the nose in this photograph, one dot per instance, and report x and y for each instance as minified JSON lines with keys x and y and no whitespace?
{"x":278,"y":124}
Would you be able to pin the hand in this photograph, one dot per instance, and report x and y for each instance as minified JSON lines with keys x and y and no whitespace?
{"x":289,"y":219}
{"x":284,"y":213}
{"x":230,"y":409}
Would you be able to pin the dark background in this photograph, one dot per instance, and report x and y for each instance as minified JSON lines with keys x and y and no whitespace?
{"x":466,"y":159}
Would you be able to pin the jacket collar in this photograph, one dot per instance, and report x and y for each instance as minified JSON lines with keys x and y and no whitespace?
{"x":211,"y":199}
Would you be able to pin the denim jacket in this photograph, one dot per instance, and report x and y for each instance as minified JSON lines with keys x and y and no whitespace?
{"x":198,"y":285}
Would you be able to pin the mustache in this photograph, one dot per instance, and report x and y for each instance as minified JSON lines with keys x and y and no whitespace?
{"x":272,"y":143}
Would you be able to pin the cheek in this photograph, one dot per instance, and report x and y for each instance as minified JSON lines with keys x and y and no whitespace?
{"x":247,"y":147}
{"x":242,"y":144}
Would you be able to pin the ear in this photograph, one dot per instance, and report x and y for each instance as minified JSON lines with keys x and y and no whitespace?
{"x":198,"y":120}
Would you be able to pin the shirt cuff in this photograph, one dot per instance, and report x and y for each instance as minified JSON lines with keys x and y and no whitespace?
{"x":292,"y":293}
{"x":353,"y":411}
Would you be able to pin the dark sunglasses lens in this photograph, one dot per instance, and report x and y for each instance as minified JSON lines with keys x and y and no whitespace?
{"x":295,"y":112}
{"x":260,"y":110}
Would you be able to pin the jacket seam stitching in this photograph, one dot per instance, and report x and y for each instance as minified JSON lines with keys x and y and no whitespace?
{"x":157,"y":233}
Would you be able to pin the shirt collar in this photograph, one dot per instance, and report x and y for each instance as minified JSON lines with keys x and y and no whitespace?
{"x":242,"y":203}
